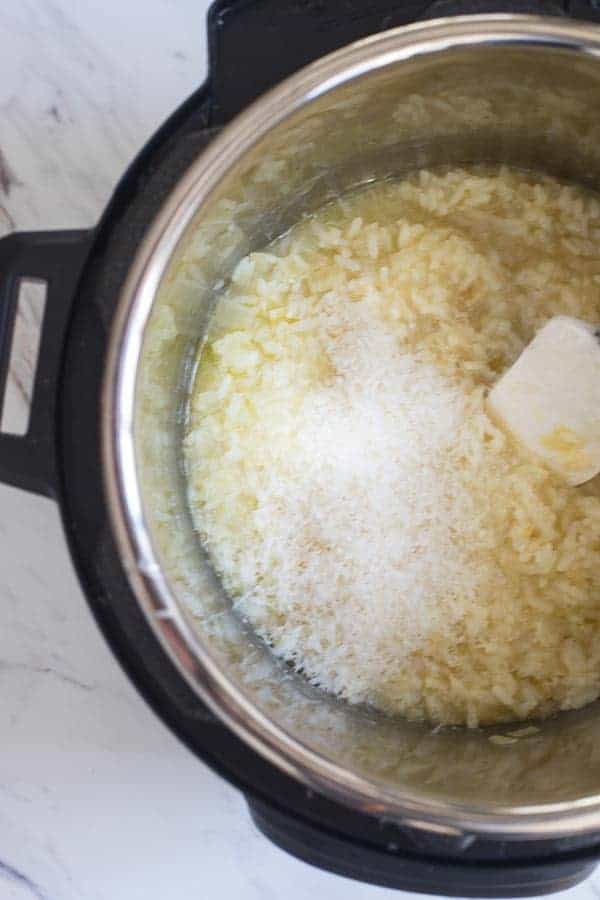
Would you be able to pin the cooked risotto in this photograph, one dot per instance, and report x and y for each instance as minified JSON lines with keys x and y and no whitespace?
{"x":365,"y":515}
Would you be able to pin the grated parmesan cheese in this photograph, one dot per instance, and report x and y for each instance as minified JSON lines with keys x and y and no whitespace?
{"x":360,"y":508}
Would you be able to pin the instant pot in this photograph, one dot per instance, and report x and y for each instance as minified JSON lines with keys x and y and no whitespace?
{"x":446,"y":811}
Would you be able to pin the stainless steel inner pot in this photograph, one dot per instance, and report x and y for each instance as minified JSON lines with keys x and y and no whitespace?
{"x":520,"y":90}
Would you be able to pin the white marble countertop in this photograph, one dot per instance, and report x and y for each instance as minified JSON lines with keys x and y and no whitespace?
{"x":98,"y":801}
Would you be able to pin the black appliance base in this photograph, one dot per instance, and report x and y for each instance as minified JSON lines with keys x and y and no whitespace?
{"x":404,"y":871}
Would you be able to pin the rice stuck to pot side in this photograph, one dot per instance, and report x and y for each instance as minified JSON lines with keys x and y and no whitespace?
{"x":366,"y":516}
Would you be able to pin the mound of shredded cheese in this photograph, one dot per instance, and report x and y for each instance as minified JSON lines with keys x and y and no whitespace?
{"x":364,"y":513}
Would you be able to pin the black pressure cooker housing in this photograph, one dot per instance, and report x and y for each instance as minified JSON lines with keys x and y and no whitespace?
{"x":253,"y":44}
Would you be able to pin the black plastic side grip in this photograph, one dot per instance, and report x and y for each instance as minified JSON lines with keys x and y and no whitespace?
{"x":254,"y":44}
{"x":440,"y":8}
{"x":56,"y":258}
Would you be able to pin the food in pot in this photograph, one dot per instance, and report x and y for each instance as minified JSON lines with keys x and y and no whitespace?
{"x":365,"y":514}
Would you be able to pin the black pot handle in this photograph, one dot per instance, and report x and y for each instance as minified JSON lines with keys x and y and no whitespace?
{"x":55,"y":258}
{"x":254,"y":44}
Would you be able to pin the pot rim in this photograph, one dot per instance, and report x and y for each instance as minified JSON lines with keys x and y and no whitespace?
{"x":183,"y":645}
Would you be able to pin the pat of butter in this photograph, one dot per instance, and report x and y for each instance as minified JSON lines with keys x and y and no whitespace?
{"x":550,"y":398}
